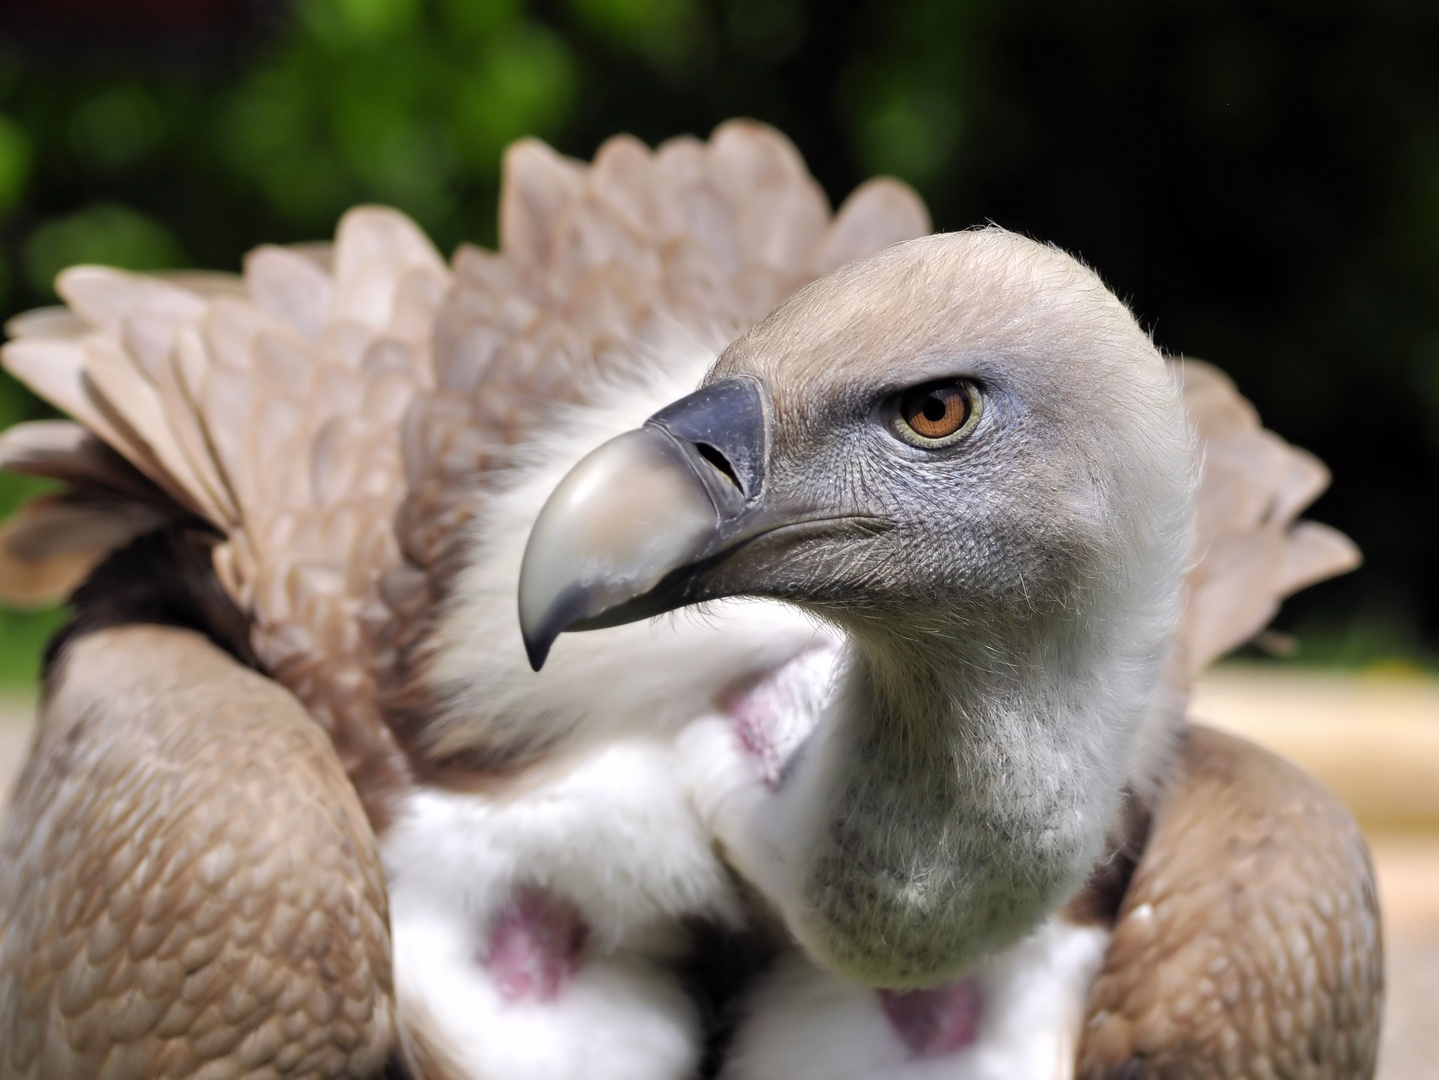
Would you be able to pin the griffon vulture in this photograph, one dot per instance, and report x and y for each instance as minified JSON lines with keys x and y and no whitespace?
{"x":912,"y":794}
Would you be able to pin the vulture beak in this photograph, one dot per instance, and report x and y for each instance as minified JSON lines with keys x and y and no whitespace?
{"x":630,"y":529}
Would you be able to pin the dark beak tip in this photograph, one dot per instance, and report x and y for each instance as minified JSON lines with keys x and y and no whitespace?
{"x":537,"y":652}
{"x":540,"y":639}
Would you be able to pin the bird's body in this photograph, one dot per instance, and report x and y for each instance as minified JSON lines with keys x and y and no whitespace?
{"x":343,"y":456}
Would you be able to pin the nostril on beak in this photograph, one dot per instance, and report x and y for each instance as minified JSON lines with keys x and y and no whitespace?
{"x":721,"y":464}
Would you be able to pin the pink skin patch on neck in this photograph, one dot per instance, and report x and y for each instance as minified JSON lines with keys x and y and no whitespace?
{"x":935,"y":1023}
{"x":773,"y":714}
{"x":535,"y":945}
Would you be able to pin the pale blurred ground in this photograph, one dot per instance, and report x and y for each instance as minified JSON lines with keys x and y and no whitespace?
{"x":1373,"y":738}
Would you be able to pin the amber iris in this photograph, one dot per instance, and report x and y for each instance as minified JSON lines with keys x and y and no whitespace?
{"x":936,"y":411}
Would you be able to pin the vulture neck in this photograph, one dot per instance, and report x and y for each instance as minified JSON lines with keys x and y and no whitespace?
{"x":963,"y":788}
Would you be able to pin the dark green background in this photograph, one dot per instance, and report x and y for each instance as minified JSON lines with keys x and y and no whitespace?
{"x":1260,"y":181}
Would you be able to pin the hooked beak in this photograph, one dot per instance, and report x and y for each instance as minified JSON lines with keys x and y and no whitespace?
{"x":627,"y":531}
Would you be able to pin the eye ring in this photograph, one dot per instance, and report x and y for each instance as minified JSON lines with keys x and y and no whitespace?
{"x":937,"y":414}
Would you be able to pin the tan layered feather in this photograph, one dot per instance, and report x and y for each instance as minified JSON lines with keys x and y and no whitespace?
{"x":1248,"y":942}
{"x":154,"y":922}
{"x":1251,"y":549}
{"x":54,"y":542}
{"x":269,"y":407}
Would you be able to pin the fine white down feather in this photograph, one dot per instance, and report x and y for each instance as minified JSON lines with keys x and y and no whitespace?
{"x":614,"y":839}
{"x":801,"y":1023}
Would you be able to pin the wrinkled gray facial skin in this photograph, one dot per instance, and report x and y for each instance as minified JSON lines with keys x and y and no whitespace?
{"x":1008,"y":599}
{"x":921,"y":541}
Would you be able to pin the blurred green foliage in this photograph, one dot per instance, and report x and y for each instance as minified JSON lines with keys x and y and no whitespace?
{"x":1261,"y":181}
{"x":14,"y":163}
{"x":395,"y":101}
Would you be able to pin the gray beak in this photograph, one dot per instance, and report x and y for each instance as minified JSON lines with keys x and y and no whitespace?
{"x":623,"y":535}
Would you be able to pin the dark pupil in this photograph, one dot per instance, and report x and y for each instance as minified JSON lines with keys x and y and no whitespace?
{"x":935,"y":408}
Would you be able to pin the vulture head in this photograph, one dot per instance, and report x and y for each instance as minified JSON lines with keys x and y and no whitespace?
{"x":966,"y":454}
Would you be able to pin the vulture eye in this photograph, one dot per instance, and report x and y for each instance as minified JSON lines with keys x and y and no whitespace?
{"x":936,"y":414}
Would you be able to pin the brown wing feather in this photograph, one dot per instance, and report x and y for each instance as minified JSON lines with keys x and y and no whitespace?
{"x":1248,"y":943}
{"x":68,"y":452}
{"x":1250,"y":549}
{"x":53,"y":542}
{"x":191,"y":887}
{"x":269,"y":406}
